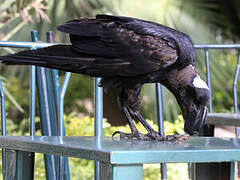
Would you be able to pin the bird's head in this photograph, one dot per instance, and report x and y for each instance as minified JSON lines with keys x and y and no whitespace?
{"x":192,"y":94}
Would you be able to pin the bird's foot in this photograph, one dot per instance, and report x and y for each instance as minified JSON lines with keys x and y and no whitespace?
{"x":151,"y":136}
{"x":134,"y":135}
{"x":156,"y":136}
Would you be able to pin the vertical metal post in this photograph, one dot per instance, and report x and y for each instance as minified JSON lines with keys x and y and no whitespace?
{"x":56,"y":86}
{"x":3,"y":129}
{"x":61,"y":102}
{"x":3,"y":111}
{"x":61,"y":131}
{"x":160,"y":123}
{"x":208,"y":78}
{"x":235,"y":98}
{"x":98,"y":115}
{"x":53,"y":75}
{"x":34,"y":35}
{"x":232,"y":171}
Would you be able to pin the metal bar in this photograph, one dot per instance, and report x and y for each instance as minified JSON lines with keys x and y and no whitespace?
{"x":30,"y":45}
{"x":61,"y":131}
{"x":160,"y":108}
{"x":54,"y":89}
{"x":34,"y":35}
{"x":98,"y":115}
{"x":98,"y":102}
{"x":47,"y":117}
{"x":235,"y":96}
{"x":160,"y":123}
{"x":61,"y":101}
{"x":217,"y":46}
{"x":44,"y":104}
{"x":24,"y":164}
{"x":208,"y":78}
{"x":3,"y":111}
{"x":3,"y":129}
{"x":120,"y":172}
{"x":232,"y":171}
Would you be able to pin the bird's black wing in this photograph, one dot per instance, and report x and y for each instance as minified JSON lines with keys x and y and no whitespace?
{"x":110,"y":46}
{"x":132,"y":40}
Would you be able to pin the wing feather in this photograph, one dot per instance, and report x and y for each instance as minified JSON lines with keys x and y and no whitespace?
{"x":126,"y":38}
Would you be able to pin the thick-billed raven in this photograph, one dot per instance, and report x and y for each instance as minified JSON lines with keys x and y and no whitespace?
{"x":126,"y":53}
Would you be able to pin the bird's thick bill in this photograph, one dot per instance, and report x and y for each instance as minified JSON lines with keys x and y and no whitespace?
{"x":195,"y":121}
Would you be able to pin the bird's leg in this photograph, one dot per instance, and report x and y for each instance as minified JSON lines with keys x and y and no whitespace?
{"x":155,"y":135}
{"x":134,"y":132}
{"x":151,"y":133}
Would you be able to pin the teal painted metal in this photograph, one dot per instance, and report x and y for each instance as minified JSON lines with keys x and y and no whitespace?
{"x":160,"y":123}
{"x":63,"y":162}
{"x":120,"y":172}
{"x":56,"y":88}
{"x":61,"y":101}
{"x":3,"y":110}
{"x":25,"y":165}
{"x":98,"y":107}
{"x":47,"y":119}
{"x":217,"y":46}
{"x":54,"y":76}
{"x":232,"y":171}
{"x":235,"y":90}
{"x":3,"y":128}
{"x":34,"y":35}
{"x":196,"y":149}
{"x":20,"y":44}
{"x":47,"y":115}
{"x":19,"y":165}
{"x":98,"y":116}
{"x":127,"y":172}
{"x":206,"y":50}
{"x":10,"y":166}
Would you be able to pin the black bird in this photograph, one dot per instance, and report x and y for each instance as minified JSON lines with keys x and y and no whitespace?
{"x":127,"y":53}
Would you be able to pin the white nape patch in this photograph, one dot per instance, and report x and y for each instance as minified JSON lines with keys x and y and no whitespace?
{"x":199,"y":83}
{"x":192,"y":66}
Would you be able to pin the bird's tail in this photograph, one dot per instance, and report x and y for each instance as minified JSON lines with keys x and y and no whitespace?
{"x":43,"y":56}
{"x":63,"y":57}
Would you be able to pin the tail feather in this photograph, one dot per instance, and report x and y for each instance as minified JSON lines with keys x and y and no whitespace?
{"x":64,"y":58}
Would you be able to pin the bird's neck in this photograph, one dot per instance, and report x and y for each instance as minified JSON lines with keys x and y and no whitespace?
{"x":180,"y":78}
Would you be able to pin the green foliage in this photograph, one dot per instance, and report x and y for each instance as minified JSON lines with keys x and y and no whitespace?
{"x":79,"y":95}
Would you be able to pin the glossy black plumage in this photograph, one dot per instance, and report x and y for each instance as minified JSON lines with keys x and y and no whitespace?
{"x":127,"y":53}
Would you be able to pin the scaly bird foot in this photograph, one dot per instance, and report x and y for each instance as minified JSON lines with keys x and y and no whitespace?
{"x":135,"y":135}
{"x":156,"y":136}
{"x":151,"y":136}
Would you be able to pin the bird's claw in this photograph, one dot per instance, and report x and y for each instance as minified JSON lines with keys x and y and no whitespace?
{"x":135,"y":135}
{"x":178,"y":138}
{"x":151,"y":136}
